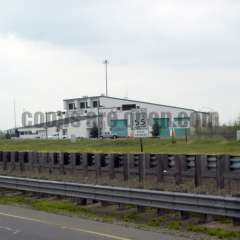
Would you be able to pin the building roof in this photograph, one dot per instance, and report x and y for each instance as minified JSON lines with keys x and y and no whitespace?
{"x":131,"y":100}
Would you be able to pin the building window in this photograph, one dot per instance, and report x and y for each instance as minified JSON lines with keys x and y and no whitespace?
{"x":71,"y":106}
{"x":95,"y":104}
{"x":127,"y":107}
{"x":82,"y":105}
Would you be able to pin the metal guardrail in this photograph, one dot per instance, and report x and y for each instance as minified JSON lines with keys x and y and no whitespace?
{"x":197,"y":203}
{"x":219,"y":168}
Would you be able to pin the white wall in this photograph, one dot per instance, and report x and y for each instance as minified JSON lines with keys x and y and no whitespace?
{"x":108,"y":102}
{"x":81,"y":129}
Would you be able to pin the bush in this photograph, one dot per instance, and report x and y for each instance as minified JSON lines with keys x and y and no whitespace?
{"x":156,"y":129}
{"x":3,"y":135}
{"x":94,"y":131}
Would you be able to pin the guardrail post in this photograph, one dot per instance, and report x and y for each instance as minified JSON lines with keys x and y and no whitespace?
{"x":160,"y":212}
{"x":198,"y":171}
{"x":147,"y":160}
{"x":46,"y":161}
{"x":40,"y":157}
{"x":97,"y":158}
{"x":142,"y":168}
{"x":81,"y":201}
{"x":126,"y":167}
{"x":13,"y":156}
{"x":61,"y":156}
{"x":21,"y":161}
{"x":30,"y":160}
{"x":140,"y":209}
{"x":73,"y":157}
{"x":180,"y":163}
{"x":34,"y":156}
{"x":160,"y":167}
{"x":205,"y":218}
{"x":185,"y":215}
{"x":5,"y":160}
{"x":51,"y":162}
{"x":220,"y":171}
{"x":121,"y":206}
{"x":227,"y":165}
{"x":85,"y":164}
{"x":1,"y":158}
{"x":236,"y":221}
{"x":105,"y":204}
{"x":1,"y":153}
{"x":112,"y":166}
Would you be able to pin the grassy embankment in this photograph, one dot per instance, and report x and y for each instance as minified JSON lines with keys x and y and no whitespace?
{"x":201,"y":146}
{"x":221,"y":227}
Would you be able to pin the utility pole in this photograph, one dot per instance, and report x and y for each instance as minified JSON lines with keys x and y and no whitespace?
{"x":106,"y":62}
{"x":46,"y":124}
{"x":98,"y":120}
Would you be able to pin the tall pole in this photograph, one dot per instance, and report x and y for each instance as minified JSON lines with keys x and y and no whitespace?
{"x":98,"y":123}
{"x":15,"y":117}
{"x":46,"y":127}
{"x":106,"y":62}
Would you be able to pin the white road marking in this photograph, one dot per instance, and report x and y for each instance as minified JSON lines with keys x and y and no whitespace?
{"x":13,"y":231}
{"x":109,"y":236}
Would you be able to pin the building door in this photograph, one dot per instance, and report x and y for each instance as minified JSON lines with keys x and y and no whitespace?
{"x":181,"y":132}
{"x":182,"y":126}
{"x":119,"y":128}
{"x":164,"y":126}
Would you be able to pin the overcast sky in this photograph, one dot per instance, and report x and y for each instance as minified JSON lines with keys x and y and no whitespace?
{"x":175,"y":52}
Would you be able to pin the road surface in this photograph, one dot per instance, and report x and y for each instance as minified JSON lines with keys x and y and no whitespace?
{"x":26,"y":224}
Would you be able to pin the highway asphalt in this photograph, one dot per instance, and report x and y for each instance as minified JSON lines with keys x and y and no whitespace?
{"x":25,"y":224}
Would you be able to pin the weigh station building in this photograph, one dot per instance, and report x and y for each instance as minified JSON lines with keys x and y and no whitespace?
{"x":116,"y":117}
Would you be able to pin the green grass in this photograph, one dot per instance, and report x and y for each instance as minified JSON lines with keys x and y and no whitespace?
{"x":216,"y":232}
{"x":151,"y":145}
{"x":20,"y":200}
{"x":156,"y":222}
{"x":175,"y":225}
{"x":48,"y":205}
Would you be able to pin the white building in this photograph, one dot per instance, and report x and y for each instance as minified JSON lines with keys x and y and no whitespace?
{"x":117,"y":117}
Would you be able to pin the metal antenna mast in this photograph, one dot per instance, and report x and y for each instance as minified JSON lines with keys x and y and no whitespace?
{"x":14,"y":112}
{"x":106,"y":62}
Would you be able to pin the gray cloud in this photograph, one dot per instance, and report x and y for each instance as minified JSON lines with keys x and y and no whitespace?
{"x":192,"y":33}
{"x":190,"y":47}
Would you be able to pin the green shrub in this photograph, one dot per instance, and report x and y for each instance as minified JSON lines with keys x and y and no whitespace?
{"x":175,"y":225}
{"x":156,"y":222}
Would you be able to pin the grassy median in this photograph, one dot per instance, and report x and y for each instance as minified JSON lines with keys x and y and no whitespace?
{"x":151,"y":145}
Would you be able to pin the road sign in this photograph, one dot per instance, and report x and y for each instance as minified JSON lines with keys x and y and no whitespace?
{"x":140,"y":123}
